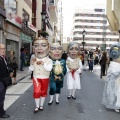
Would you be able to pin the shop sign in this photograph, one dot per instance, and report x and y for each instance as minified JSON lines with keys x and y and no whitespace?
{"x":13,"y":18}
{"x":32,"y":27}
{"x":26,"y":38}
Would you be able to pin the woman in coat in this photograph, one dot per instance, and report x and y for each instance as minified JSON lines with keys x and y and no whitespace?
{"x":12,"y":63}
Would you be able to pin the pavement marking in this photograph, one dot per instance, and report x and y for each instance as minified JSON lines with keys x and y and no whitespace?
{"x":15,"y":91}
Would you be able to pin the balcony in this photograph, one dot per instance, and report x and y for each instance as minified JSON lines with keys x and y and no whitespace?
{"x":53,"y":10}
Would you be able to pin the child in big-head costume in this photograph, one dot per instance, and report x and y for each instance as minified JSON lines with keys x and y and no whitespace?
{"x":74,"y":69}
{"x":41,"y":66}
{"x":111,"y":93}
{"x":57,"y":73}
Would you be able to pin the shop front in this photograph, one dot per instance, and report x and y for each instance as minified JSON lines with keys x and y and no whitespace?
{"x":26,"y":43}
{"x":12,"y":34}
{"x":12,"y":40}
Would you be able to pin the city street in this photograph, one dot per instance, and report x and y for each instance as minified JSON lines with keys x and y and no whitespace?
{"x":20,"y":103}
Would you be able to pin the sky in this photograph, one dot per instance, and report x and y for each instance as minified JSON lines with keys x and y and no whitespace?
{"x":69,"y":8}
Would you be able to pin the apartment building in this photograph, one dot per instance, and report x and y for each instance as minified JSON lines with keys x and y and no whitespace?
{"x":2,"y":21}
{"x":54,"y":19}
{"x":60,"y":23}
{"x":19,"y":31}
{"x":21,"y":21}
{"x":112,"y":13}
{"x":95,"y":24}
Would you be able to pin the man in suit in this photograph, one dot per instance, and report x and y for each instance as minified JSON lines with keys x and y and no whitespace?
{"x":3,"y":73}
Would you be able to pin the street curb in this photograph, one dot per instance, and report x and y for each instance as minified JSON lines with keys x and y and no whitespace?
{"x":23,"y":78}
{"x":19,"y":80}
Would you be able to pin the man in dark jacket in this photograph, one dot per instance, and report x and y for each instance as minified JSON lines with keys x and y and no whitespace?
{"x":22,"y":59}
{"x":64,"y":56}
{"x":3,"y":73}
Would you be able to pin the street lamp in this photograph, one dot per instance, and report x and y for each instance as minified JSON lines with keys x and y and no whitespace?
{"x":43,"y":14}
{"x":83,"y":33}
{"x":44,"y":23}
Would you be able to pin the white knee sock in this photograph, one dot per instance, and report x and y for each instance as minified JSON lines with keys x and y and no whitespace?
{"x":73,"y":92}
{"x":57,"y":96}
{"x":42,"y":99}
{"x":37,"y":100}
{"x":51,"y":98}
{"x":70,"y":92}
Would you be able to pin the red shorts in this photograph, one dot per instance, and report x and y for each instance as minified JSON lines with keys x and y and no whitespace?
{"x":40,"y":89}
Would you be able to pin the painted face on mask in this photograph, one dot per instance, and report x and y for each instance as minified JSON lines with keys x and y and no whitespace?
{"x":56,"y":51}
{"x":41,"y":48}
{"x":73,"y":51}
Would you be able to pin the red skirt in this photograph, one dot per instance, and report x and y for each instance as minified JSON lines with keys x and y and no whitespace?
{"x":40,"y":88}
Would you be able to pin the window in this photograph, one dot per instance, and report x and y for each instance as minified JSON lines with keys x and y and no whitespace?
{"x":11,"y":5}
{"x":98,"y":27}
{"x":76,"y":14}
{"x":52,"y":1}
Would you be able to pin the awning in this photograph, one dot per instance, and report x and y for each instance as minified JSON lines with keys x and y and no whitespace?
{"x":32,"y":27}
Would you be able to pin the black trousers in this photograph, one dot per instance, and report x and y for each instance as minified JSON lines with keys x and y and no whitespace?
{"x":2,"y":98}
{"x":102,"y":70}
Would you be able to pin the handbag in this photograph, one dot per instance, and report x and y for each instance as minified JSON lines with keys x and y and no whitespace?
{"x":7,"y":81}
{"x":14,"y":65}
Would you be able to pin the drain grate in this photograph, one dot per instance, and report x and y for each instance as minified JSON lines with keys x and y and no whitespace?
{"x":80,"y":108}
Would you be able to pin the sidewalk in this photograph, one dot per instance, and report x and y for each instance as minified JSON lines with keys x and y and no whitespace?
{"x":15,"y":91}
{"x":22,"y":74}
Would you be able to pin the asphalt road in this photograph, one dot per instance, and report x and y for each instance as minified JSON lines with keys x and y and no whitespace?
{"x":87,"y":106}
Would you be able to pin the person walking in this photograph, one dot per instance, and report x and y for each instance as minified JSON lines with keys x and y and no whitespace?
{"x":41,"y":65}
{"x":58,"y":72}
{"x":91,"y":62}
{"x":103,"y":63}
{"x":85,"y":60}
{"x":74,"y":69}
{"x":107,"y":61}
{"x":12,"y":63}
{"x":22,"y":59}
{"x":64,"y":55}
{"x":3,"y":73}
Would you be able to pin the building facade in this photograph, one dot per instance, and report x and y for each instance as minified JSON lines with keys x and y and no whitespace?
{"x":2,"y":22}
{"x":113,"y":15}
{"x":19,"y":31}
{"x":94,"y":22}
{"x":60,"y":23}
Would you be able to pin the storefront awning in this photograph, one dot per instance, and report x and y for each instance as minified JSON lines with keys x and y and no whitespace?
{"x":32,"y":27}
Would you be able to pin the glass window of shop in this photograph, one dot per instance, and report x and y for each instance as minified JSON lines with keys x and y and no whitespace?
{"x":12,"y":45}
{"x":26,"y":46}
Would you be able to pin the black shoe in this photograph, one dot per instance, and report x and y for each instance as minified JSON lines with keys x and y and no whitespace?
{"x":14,"y":83}
{"x":4,"y":116}
{"x":21,"y":70}
{"x":73,"y":97}
{"x":41,"y":108}
{"x":68,"y":97}
{"x":36,"y":110}
{"x":50,"y":103}
{"x":57,"y":102}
